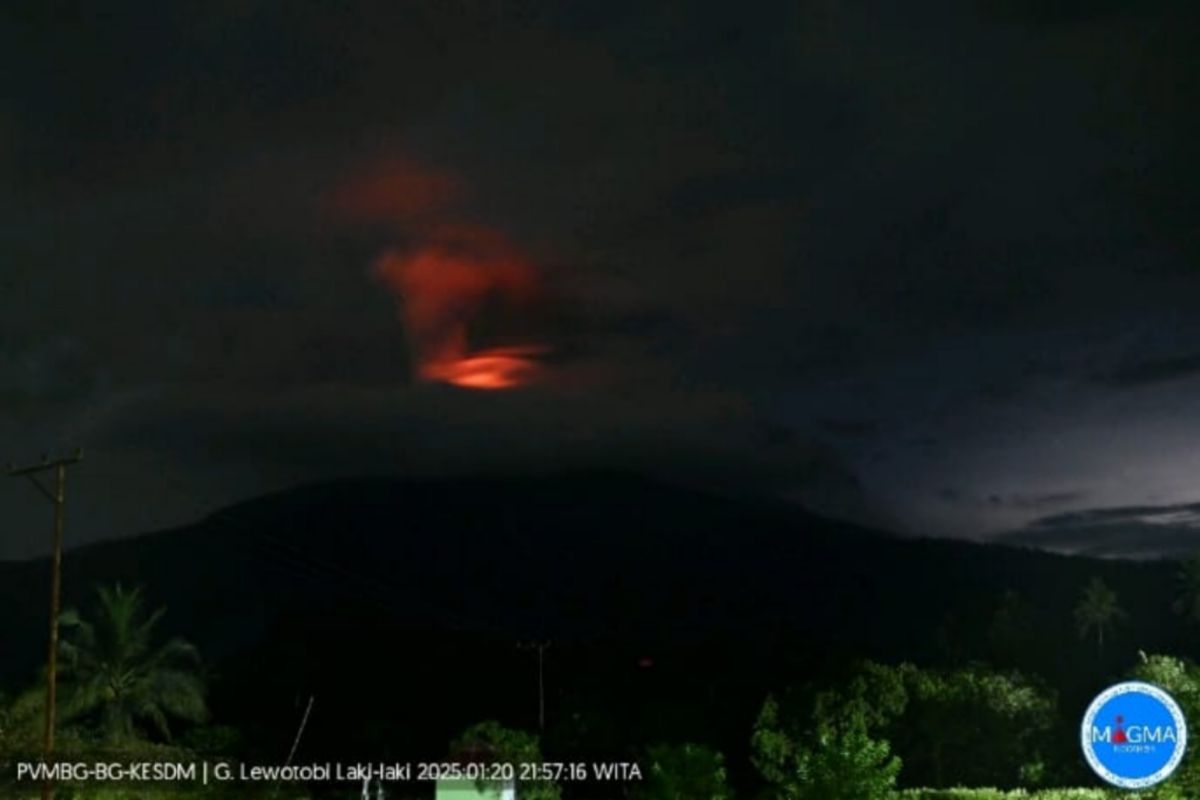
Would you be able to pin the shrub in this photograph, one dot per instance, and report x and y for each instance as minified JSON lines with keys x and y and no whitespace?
{"x":493,"y":743}
{"x":1181,"y":679}
{"x":683,"y":772}
{"x":999,"y":794}
{"x":832,"y":757}
{"x":972,"y":726}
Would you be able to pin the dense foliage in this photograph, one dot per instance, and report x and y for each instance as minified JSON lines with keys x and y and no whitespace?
{"x":491,"y":742}
{"x":1180,"y":678}
{"x":830,"y":754}
{"x":947,"y":728}
{"x":1000,"y":794}
{"x":972,"y":727}
{"x":682,"y":772}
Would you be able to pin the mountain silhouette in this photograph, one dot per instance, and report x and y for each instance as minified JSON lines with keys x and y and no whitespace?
{"x":419,"y":581}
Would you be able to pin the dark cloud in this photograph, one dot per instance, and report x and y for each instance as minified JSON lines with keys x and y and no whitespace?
{"x":1036,"y":502}
{"x":1055,"y":11}
{"x":1131,"y":532}
{"x":54,"y":370}
{"x":306,"y":434}
{"x":918,"y":231}
{"x":851,"y":428}
{"x":1188,"y":513}
{"x":1155,"y":371}
{"x":440,"y":429}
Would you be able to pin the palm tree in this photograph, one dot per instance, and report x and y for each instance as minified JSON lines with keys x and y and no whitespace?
{"x":1187,"y":603}
{"x":113,"y":671}
{"x":1097,"y":612}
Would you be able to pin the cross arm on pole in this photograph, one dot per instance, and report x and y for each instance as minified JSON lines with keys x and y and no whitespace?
{"x":32,"y":471}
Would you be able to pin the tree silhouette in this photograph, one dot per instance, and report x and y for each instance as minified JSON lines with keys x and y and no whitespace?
{"x":114,"y":673}
{"x":1010,"y":635}
{"x":1097,"y":612}
{"x":1187,"y":602}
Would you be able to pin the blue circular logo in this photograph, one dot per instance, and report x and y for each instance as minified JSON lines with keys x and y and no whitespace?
{"x":1134,"y":735}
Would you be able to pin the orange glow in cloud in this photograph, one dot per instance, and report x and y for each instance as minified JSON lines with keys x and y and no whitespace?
{"x":449,"y":279}
{"x":443,"y":286}
{"x":398,"y":192}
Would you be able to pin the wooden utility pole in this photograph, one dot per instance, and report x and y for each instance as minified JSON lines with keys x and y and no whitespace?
{"x":540,"y":647}
{"x":57,"y":497}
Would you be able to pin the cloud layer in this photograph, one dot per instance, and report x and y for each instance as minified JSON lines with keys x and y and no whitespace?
{"x":945,"y":246}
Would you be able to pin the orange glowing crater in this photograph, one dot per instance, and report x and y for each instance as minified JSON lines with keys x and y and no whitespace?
{"x":495,"y":368}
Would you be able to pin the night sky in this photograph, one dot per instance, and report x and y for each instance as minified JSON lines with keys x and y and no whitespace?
{"x":932,"y":266}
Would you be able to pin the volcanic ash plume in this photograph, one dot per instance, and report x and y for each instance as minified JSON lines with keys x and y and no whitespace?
{"x":462,"y":294}
{"x":466,"y":294}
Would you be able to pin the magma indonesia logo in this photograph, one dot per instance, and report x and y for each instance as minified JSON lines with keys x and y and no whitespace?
{"x":1134,"y":735}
